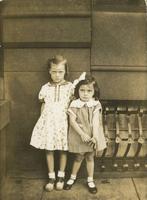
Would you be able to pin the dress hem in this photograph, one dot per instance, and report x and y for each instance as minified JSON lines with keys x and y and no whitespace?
{"x":42,"y":148}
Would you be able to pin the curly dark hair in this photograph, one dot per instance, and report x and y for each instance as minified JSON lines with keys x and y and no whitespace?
{"x":57,"y":60}
{"x":88,"y":80}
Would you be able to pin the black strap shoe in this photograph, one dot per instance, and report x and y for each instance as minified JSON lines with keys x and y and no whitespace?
{"x":92,"y":190}
{"x":68,"y":186}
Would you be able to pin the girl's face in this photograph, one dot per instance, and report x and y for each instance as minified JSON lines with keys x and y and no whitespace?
{"x":86,"y":92}
{"x":57,"y":73}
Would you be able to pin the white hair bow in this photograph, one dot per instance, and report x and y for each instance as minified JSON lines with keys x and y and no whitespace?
{"x":82,"y":77}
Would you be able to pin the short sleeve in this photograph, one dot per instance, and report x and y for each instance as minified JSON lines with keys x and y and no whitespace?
{"x":98,"y":108}
{"x":42,"y":93}
{"x":71,"y":111}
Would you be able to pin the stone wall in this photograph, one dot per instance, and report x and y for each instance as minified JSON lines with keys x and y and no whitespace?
{"x":106,"y":38}
{"x":4,"y":121}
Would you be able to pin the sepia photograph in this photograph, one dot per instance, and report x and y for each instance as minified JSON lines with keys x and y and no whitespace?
{"x":73,"y":99}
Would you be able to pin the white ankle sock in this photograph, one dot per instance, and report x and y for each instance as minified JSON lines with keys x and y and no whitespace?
{"x":90,"y":182}
{"x":61,"y":174}
{"x":51,"y":175}
{"x":73,"y":176}
{"x":89,"y":179}
{"x":71,"y":180}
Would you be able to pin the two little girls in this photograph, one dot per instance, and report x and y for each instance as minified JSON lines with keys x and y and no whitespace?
{"x":51,"y":130}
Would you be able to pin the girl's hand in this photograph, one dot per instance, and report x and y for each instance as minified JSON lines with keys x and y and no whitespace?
{"x":92,"y":142}
{"x":96,"y":153}
{"x":85,"y":138}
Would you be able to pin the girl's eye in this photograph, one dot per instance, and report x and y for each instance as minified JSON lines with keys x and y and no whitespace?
{"x":60,"y":72}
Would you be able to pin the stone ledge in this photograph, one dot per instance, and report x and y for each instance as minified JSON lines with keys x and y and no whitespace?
{"x":119,"y":5}
{"x":4,"y":114}
{"x":46,"y":8}
{"x":108,"y":68}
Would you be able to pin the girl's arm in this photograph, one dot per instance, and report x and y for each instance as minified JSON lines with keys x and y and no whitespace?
{"x":41,"y":97}
{"x":42,"y":107}
{"x":42,"y":94}
{"x":96,"y":124}
{"x":76,"y":127}
{"x":98,"y":133}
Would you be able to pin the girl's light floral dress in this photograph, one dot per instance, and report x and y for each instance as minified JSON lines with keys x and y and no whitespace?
{"x":50,"y":131}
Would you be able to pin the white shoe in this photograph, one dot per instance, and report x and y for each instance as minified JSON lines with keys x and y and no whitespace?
{"x":50,"y":185}
{"x":60,"y":183}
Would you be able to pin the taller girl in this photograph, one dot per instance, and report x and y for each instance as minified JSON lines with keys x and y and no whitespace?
{"x":50,"y":131}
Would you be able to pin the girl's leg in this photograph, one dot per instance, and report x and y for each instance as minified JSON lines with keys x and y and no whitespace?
{"x":77,"y":163}
{"x":61,"y":172}
{"x":50,"y":164}
{"x":76,"y":166}
{"x":90,"y":171}
{"x":89,"y":157}
{"x":63,"y":160}
{"x":50,"y":161}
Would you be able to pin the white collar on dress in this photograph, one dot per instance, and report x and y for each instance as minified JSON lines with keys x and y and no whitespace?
{"x":79,"y":104}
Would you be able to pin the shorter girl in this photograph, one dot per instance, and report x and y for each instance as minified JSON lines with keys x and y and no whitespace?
{"x":85,"y":131}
